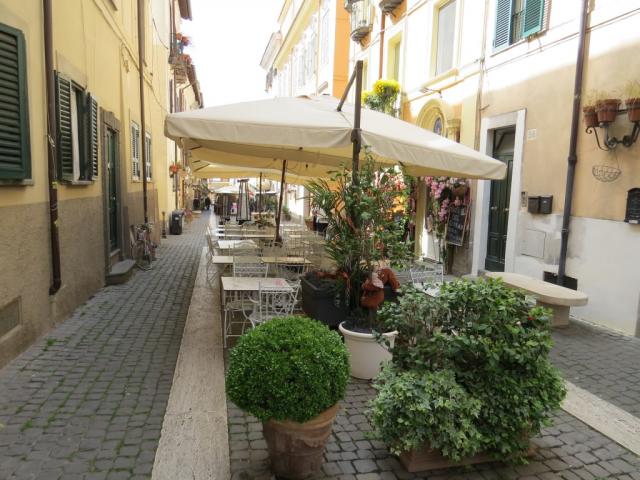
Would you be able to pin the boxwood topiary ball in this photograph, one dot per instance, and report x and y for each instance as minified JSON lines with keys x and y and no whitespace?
{"x":290,"y":368}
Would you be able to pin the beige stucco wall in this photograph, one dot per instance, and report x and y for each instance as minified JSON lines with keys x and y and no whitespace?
{"x":96,"y":45}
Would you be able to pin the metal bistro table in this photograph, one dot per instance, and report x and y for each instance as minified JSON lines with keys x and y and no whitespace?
{"x":228,"y":260}
{"x":231,"y":244}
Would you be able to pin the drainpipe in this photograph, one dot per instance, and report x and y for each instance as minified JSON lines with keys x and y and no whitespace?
{"x":573,"y":157}
{"x":52,"y":135}
{"x":143,"y":127}
{"x":382,"y":27}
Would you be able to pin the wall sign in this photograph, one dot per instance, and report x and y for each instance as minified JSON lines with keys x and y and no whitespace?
{"x":457,"y":224}
{"x":633,"y":206}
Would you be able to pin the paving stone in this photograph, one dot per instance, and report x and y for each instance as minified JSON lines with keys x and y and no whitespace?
{"x":105,"y":379}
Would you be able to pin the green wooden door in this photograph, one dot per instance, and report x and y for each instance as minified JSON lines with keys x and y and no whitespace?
{"x":503,"y":142}
{"x":111,"y":150}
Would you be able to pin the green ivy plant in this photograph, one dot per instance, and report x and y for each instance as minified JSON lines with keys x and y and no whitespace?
{"x":493,"y":345}
{"x":366,"y":224}
{"x":290,"y":368}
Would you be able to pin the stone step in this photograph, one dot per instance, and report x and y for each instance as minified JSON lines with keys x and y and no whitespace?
{"x":120,"y":272}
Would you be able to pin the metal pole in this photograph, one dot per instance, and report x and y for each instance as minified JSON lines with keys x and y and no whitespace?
{"x":52,"y":132}
{"x":573,"y":141}
{"x":356,"y":134}
{"x":284,"y":167}
{"x":143,"y":127}
{"x":260,"y":198}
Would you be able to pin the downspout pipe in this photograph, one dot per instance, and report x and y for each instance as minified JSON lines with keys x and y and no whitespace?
{"x":143,"y":123}
{"x":573,"y":141}
{"x":52,"y":135}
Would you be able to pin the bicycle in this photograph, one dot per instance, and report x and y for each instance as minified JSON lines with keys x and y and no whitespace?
{"x":143,"y":250}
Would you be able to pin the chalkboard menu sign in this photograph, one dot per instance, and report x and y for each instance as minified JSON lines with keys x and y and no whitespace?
{"x":457,"y":224}
{"x":633,"y":206}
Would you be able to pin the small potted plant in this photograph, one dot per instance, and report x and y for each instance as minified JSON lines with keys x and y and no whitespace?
{"x":290,"y":372}
{"x":365,"y":226}
{"x":607,"y":108}
{"x":632,"y":100}
{"x":470,"y":379}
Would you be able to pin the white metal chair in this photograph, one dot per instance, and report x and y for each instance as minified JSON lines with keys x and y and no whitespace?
{"x":273,"y":302}
{"x":427,"y":272}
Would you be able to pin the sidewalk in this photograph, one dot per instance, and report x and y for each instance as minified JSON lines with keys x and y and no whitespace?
{"x":87,"y":401}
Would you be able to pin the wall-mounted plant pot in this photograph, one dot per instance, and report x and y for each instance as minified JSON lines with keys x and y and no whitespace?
{"x":590,"y":116}
{"x":607,"y":110}
{"x":388,"y":6}
{"x":633,"y":109}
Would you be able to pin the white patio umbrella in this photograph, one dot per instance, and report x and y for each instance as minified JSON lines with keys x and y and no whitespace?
{"x":315,"y":138}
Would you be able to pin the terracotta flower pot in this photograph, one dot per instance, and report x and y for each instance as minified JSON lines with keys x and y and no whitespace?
{"x":607,"y":110}
{"x":633,"y":109}
{"x":296,"y":449}
{"x":590,"y":116}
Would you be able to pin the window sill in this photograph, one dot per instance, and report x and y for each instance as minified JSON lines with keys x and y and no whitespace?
{"x":138,"y":180}
{"x":17,"y":183}
{"x":522,"y":41}
{"x":451,"y":73}
{"x":78,"y":183}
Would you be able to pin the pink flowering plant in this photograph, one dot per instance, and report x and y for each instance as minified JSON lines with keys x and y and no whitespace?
{"x":440,"y":198}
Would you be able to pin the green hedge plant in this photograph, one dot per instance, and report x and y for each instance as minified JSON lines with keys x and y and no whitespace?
{"x":487,"y":341}
{"x":290,"y":368}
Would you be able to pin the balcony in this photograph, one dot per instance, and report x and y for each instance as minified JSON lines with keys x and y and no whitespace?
{"x":388,"y":6}
{"x":361,"y":19}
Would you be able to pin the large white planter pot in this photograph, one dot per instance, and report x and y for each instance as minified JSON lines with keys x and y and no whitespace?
{"x":366,"y":354}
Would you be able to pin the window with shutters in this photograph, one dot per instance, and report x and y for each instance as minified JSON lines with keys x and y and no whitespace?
{"x":517,"y":19}
{"x":148,"y":163}
{"x":135,"y":151}
{"x":15,"y":154}
{"x":77,"y":142}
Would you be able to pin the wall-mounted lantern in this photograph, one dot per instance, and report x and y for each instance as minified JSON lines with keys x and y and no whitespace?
{"x":604,"y":113}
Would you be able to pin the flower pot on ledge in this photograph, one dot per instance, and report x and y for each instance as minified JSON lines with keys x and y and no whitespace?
{"x":607,"y":110}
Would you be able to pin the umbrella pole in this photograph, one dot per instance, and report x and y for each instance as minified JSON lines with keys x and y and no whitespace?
{"x":278,"y":239}
{"x":356,"y":77}
{"x":260,"y":198}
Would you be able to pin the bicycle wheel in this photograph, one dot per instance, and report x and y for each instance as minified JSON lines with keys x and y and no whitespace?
{"x":141,"y":256}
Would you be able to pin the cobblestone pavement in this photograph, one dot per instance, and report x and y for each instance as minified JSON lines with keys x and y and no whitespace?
{"x":600,"y":361}
{"x":568,"y":450}
{"x":87,"y":401}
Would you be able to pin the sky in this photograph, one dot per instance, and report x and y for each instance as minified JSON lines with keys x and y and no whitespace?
{"x":229,"y":38}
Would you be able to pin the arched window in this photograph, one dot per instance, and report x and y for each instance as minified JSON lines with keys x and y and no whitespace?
{"x":437,"y":125}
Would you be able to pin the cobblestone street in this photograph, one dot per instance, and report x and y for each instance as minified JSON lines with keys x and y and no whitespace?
{"x":88,"y":399}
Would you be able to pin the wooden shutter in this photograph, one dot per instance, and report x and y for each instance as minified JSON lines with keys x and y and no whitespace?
{"x":15,"y":155}
{"x":91,"y":118}
{"x":533,"y":17}
{"x":503,"y":24}
{"x":64,"y":144}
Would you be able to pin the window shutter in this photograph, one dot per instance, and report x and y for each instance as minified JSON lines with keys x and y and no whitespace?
{"x":503,"y":24}
{"x":92,"y":137}
{"x":15,"y":155}
{"x":533,"y":16}
{"x":149,"y":162}
{"x":64,"y":145}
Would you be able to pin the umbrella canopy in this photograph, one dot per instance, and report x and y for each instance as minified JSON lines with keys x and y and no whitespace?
{"x":202,"y":169}
{"x":315,"y":138}
{"x":231,"y":190}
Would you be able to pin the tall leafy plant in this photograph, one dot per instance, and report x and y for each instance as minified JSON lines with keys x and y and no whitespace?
{"x":365,"y":225}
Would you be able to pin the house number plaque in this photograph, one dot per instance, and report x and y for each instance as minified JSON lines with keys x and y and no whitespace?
{"x":633,"y":206}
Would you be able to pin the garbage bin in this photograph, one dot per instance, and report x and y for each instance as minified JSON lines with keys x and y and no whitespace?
{"x":175,"y":224}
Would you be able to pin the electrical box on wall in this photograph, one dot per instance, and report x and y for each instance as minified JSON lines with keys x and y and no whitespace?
{"x":632,"y":214}
{"x":540,"y":204}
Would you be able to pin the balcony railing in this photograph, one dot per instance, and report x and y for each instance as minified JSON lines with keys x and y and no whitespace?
{"x":361,"y":19}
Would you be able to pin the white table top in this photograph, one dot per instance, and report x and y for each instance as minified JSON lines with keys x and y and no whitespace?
{"x":229,"y":244}
{"x":245,"y":235}
{"x":228,"y":260}
{"x":252,"y":284}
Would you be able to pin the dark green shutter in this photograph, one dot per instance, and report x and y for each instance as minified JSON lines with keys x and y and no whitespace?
{"x":15,"y":154}
{"x":64,"y":145}
{"x":92,"y":137}
{"x":503,"y":24}
{"x":533,"y":17}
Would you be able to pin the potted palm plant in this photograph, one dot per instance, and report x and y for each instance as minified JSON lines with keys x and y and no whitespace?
{"x":366,"y":226}
{"x":290,"y":372}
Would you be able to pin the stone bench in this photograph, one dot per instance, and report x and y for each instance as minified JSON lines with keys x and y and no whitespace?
{"x":549,"y":295}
